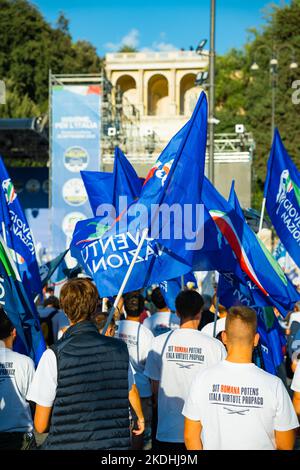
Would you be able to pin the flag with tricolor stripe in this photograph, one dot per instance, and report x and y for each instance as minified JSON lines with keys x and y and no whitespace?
{"x":19,"y":307}
{"x":253,"y":257}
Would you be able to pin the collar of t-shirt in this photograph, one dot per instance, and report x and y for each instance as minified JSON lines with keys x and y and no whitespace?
{"x":237,"y":364}
{"x":2,"y":345}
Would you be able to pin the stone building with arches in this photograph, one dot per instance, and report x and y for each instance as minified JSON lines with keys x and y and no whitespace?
{"x":158,"y":90}
{"x":161,"y":86}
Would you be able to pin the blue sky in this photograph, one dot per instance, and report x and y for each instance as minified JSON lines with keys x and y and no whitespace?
{"x":157,"y":25}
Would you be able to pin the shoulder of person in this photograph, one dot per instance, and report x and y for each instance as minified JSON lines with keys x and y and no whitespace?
{"x":146,"y":331}
{"x":116,"y":343}
{"x":22,"y":359}
{"x":159,"y":341}
{"x":203,"y":374}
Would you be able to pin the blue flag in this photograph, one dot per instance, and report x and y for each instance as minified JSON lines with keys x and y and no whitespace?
{"x":16,"y":232}
{"x":108,"y":188}
{"x":20,"y":308}
{"x":99,"y":188}
{"x":233,"y":292}
{"x":48,"y":269}
{"x":106,"y":252}
{"x":170,"y":289}
{"x":253,"y":257}
{"x":282,"y":193}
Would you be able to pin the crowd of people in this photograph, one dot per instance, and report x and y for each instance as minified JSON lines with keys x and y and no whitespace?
{"x":156,"y":380}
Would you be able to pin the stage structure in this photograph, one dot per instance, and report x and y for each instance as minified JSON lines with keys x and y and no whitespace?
{"x":75,"y":129}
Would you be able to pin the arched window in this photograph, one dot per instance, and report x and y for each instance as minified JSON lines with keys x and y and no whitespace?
{"x":127,"y":85}
{"x":188,"y":94}
{"x":158,"y":96}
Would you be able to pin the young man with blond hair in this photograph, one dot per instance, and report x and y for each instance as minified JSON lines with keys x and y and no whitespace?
{"x":81,"y":384}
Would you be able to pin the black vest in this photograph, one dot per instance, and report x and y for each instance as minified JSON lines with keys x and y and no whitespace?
{"x":91,"y":408}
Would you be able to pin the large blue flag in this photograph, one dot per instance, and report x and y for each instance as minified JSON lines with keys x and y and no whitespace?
{"x":16,"y":232}
{"x":282,"y":193}
{"x":20,"y":308}
{"x":107,"y":188}
{"x":176,"y":178}
{"x":253,"y":257}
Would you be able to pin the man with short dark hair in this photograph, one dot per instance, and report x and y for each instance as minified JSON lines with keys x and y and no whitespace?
{"x":173,"y":361}
{"x":16,"y":374}
{"x":234,"y":405}
{"x":163,"y":320}
{"x":52,"y":319}
{"x":81,"y":383}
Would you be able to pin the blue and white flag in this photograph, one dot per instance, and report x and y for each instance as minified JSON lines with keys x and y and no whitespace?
{"x":105,"y":252}
{"x":282,"y":193}
{"x":16,"y":232}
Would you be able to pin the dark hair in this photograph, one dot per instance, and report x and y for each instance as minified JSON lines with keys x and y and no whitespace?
{"x":53,"y":301}
{"x":134,"y":304}
{"x":100,"y":320}
{"x":49,"y":289}
{"x":6,"y":326}
{"x":79,"y":299}
{"x":188,"y":303}
{"x":158,"y":299}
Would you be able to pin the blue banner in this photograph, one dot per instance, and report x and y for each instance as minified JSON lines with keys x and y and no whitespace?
{"x":282,"y":193}
{"x":75,"y":147}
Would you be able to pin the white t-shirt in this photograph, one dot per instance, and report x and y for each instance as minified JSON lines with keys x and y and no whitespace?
{"x":209,"y":328}
{"x":295,"y":385}
{"x":43,"y":387}
{"x":239,"y":406}
{"x":16,"y":374}
{"x":295,"y":316}
{"x":139,"y":340}
{"x":162,"y":322}
{"x":174,"y":360}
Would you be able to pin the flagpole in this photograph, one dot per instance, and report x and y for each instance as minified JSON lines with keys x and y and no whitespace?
{"x":216,"y":309}
{"x":182,"y":282}
{"x":261,"y":221}
{"x":125,"y":280}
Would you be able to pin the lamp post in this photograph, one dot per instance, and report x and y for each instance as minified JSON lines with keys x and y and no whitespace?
{"x":211,"y":168}
{"x":274,"y":54}
{"x":273,"y":62}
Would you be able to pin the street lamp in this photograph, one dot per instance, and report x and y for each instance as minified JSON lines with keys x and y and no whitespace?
{"x":274,"y":54}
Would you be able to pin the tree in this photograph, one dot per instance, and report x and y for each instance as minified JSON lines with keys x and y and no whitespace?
{"x":245,"y":97}
{"x":126,"y":48}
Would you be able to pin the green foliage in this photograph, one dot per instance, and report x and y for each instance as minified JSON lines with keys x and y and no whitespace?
{"x":127,"y":49}
{"x":30,"y":47}
{"x":245,"y":96}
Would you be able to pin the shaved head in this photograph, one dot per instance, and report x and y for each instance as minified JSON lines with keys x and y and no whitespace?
{"x":241,"y":324}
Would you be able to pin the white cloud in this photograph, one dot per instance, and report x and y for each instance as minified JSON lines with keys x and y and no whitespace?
{"x":130,"y":39}
{"x":164,"y":46}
